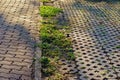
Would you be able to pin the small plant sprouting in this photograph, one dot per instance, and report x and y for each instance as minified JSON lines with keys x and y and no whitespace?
{"x":45,"y":45}
{"x":71,"y":56}
{"x":49,"y":70}
{"x":83,"y":67}
{"x":118,"y":46}
{"x":104,"y":72}
{"x":45,"y":61}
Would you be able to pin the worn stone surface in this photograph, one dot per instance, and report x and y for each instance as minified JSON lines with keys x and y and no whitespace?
{"x":18,"y":30}
{"x":96,"y":35}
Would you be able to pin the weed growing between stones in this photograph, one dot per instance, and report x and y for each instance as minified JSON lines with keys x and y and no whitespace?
{"x":118,"y":47}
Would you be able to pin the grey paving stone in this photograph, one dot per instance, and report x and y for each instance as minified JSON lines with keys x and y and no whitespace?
{"x":95,"y":34}
{"x":17,"y":38}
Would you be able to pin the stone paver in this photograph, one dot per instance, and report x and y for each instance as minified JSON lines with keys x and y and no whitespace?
{"x":95,"y":34}
{"x":18,"y":30}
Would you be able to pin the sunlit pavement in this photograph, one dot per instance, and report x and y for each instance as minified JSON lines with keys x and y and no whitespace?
{"x":18,"y":29}
{"x":96,"y":39}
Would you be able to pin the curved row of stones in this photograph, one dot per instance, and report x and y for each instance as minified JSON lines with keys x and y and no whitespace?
{"x":96,"y":35}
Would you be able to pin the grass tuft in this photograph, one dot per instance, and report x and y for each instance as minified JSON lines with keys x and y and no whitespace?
{"x":49,"y":11}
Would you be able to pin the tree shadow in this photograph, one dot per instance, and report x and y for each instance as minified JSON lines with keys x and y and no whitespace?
{"x":92,"y":22}
{"x":17,"y":46}
{"x":107,"y":1}
{"x":103,"y":29}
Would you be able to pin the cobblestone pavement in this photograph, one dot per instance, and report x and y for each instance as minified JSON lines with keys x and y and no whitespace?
{"x":96,"y":38}
{"x":18,"y":21}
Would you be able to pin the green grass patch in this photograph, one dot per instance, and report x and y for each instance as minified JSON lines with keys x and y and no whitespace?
{"x":55,"y":43}
{"x":49,"y":11}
